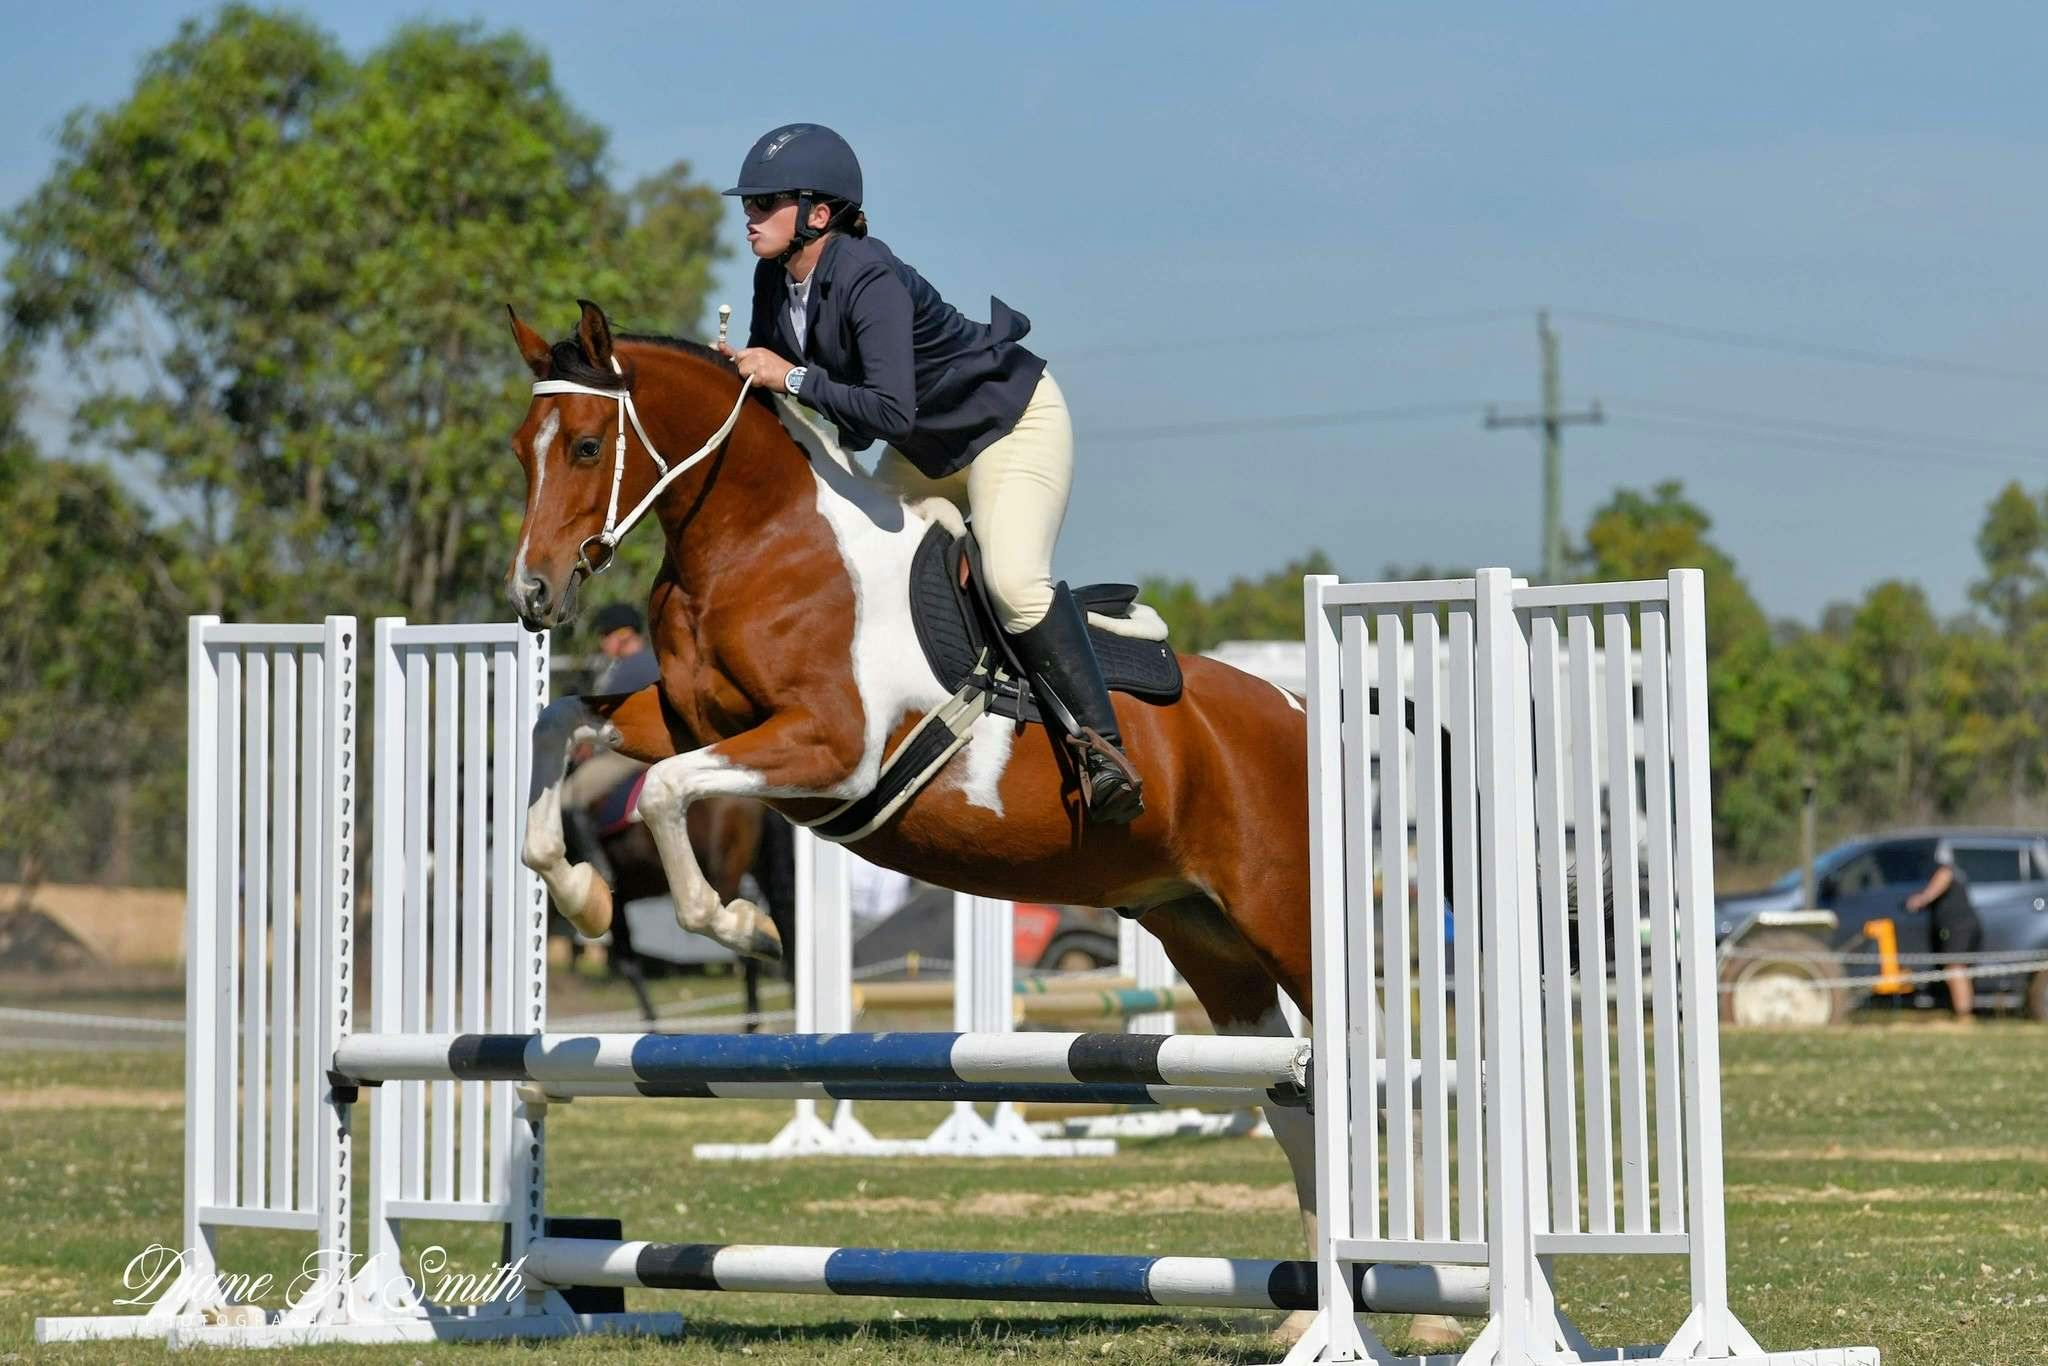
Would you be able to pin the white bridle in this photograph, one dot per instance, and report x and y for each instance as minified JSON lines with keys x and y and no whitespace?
{"x":615,"y":529}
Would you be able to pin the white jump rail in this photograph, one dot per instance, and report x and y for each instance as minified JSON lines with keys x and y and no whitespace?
{"x":983,"y":963}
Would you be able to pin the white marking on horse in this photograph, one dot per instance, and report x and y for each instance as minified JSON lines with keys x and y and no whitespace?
{"x":878,"y":535}
{"x":543,"y":442}
{"x":1292,"y":700}
{"x":981,"y":766}
{"x":545,"y":849}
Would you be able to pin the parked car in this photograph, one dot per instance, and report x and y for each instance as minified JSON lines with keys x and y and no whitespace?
{"x":1044,"y":938}
{"x":1786,"y":948}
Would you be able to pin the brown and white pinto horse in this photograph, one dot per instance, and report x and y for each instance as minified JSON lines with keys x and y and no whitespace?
{"x":790,"y":666}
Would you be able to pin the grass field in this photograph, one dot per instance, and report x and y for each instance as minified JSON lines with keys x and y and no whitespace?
{"x":1888,"y":1184}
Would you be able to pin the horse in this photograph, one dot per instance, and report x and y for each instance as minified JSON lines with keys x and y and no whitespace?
{"x":790,"y":666}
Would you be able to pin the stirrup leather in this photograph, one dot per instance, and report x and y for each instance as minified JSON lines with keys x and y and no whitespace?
{"x":1122,"y":795}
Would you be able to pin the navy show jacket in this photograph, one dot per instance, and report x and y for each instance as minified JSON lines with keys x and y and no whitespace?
{"x":887,"y":359}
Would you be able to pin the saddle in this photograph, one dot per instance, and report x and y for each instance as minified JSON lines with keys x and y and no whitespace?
{"x":959,"y":631}
{"x":957,"y":626}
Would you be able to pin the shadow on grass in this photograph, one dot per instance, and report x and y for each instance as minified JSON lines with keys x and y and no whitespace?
{"x":1228,"y":1340}
{"x":1236,"y":1340}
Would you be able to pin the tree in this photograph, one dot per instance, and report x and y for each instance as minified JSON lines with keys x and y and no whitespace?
{"x":2010,"y":541}
{"x":1638,"y":536}
{"x":282,"y":276}
{"x":91,"y":647}
{"x":2007,"y":734}
{"x":1265,"y":608}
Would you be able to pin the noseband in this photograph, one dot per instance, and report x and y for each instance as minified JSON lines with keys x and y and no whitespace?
{"x":615,"y":529}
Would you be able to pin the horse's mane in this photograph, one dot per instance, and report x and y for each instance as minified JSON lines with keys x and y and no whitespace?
{"x":566,"y":356}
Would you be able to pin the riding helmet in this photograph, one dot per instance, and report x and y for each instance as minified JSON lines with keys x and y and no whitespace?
{"x":798,"y":157}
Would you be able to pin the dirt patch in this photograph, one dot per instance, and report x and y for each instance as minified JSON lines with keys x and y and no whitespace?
{"x":1837,"y":1152}
{"x":129,"y":926}
{"x":1187,"y":1197}
{"x":1883,"y":1195}
{"x":90,"y":1098}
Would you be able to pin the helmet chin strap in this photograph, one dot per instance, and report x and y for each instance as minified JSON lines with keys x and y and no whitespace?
{"x":805,"y":233}
{"x":615,"y":528}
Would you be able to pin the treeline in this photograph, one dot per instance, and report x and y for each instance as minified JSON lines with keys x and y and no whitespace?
{"x":1897,"y":715}
{"x":261,"y":305}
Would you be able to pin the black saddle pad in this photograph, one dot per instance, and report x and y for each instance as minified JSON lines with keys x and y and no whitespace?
{"x":954,"y":626}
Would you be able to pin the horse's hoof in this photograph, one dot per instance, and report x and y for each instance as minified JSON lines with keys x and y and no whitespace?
{"x":764,"y":941}
{"x":594,"y":917}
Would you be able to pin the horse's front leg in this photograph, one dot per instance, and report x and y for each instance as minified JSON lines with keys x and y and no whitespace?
{"x":631,"y":723}
{"x":786,"y":756}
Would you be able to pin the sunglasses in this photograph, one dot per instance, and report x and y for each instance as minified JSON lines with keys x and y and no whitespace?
{"x":766,"y":203}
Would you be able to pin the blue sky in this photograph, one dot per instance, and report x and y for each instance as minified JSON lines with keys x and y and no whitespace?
{"x":1317,"y":237}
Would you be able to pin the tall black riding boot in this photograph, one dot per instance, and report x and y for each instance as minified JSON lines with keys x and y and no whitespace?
{"x":1062,"y":662}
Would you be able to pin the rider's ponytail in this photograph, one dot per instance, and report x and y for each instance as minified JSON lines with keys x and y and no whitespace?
{"x":848,"y":218}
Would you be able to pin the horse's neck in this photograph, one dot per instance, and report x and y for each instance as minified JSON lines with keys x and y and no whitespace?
{"x":773,"y":490}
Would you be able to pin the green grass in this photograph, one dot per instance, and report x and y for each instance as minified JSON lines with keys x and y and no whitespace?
{"x":1887,"y":1184}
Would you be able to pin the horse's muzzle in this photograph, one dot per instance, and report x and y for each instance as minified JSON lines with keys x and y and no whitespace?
{"x":538,"y":606}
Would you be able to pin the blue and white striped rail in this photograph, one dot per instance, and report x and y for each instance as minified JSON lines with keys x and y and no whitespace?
{"x":994,"y":1059}
{"x":972,"y":1092}
{"x":1195,"y":1282}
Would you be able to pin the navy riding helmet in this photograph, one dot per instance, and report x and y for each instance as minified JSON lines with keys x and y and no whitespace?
{"x":808,"y":160}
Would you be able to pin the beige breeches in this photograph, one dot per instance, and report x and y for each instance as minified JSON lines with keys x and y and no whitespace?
{"x":1016,"y":491}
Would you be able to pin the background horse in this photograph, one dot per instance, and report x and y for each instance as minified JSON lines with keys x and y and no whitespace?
{"x":733,"y":838}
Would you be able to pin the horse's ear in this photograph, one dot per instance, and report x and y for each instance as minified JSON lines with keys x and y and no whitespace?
{"x":595,"y":332}
{"x":532,"y":349}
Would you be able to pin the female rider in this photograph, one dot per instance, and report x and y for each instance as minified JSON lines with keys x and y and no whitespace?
{"x":968,"y":413}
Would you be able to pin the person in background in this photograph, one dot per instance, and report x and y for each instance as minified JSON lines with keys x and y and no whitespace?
{"x":1957,"y":931}
{"x":622,"y":636}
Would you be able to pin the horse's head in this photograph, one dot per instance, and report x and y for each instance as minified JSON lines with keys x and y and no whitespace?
{"x":569,"y":446}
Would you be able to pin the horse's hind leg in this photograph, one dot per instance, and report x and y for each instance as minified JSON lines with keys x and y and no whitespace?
{"x":1242,"y":997}
{"x":1270,"y":916}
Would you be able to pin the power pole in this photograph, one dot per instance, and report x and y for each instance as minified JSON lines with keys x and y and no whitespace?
{"x":1553,"y":420}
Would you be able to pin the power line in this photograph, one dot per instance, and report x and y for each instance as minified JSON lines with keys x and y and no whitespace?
{"x":1923,"y":441}
{"x":1751,"y":437}
{"x":1849,"y":355}
{"x":1390,"y":326}
{"x":1288,"y":422}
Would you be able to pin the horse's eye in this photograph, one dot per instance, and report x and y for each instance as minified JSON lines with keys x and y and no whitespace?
{"x":586,"y":449}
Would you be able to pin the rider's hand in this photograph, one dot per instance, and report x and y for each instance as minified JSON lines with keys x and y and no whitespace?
{"x":763,"y":366}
